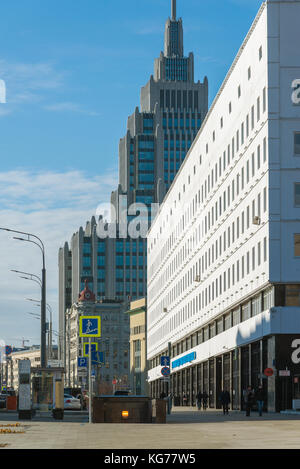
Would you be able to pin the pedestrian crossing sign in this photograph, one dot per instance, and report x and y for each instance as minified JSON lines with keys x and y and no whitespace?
{"x":90,"y":326}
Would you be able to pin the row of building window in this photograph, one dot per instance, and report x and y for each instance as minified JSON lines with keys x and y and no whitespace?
{"x":251,"y":308}
{"x":225,"y":281}
{"x":229,"y":236}
{"x":229,"y":155}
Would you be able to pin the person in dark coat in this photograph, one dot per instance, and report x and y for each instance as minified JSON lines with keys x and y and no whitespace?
{"x":260,"y":399}
{"x":199,"y":400}
{"x":205,"y":400}
{"x":225,"y":401}
{"x":249,"y":400}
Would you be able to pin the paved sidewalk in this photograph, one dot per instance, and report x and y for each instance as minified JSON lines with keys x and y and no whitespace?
{"x":186,"y":429}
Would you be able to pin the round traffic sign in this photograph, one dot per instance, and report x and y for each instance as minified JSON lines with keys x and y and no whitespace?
{"x":165,"y":371}
{"x":268,"y":372}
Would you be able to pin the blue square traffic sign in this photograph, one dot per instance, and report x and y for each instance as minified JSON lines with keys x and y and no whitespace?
{"x":97,"y":358}
{"x":165,"y":361}
{"x":90,"y":326}
{"x":82,"y":362}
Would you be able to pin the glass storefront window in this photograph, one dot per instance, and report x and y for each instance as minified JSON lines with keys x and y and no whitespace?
{"x":236,"y":317}
{"x":268,"y":298}
{"x":297,"y":143}
{"x":256,"y":305}
{"x":220,"y":326}
{"x":227,"y":321}
{"x":212,"y":330}
{"x":292,"y":295}
{"x":297,"y":245}
{"x":297,"y":194}
{"x":246,"y":311}
{"x":199,"y":337}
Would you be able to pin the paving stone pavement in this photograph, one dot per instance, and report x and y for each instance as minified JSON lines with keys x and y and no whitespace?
{"x":186,"y":429}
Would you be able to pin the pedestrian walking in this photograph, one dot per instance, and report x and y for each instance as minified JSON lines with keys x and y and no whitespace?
{"x":225,"y":401}
{"x":199,"y":399}
{"x":170,"y":401}
{"x":184,"y":398}
{"x":249,"y":400}
{"x":260,"y":399}
{"x":205,"y":400}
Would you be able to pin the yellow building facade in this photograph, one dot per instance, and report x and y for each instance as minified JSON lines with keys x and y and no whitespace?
{"x":138,"y":347}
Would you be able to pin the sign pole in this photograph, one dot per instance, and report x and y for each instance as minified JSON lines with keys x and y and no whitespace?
{"x":90,"y":380}
{"x":90,"y":327}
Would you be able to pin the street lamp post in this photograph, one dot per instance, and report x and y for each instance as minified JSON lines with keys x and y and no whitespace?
{"x":40,"y":244}
{"x":36,"y":279}
{"x":50,"y":311}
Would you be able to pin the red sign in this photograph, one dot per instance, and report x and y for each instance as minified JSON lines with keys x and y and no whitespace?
{"x":165,"y":371}
{"x":268,"y":372}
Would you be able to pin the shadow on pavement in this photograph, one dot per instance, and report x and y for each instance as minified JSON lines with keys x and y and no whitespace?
{"x":69,"y":417}
{"x":191,"y":416}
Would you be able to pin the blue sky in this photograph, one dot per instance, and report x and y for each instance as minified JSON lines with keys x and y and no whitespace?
{"x":73,"y":71}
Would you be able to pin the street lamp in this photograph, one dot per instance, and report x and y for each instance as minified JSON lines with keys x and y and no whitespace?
{"x":32,"y":276}
{"x":38,"y":318}
{"x":40,"y":244}
{"x":36,"y":279}
{"x":49,"y":309}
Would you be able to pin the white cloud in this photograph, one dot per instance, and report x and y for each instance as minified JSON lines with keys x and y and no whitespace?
{"x":69,"y":107}
{"x":51,"y":205}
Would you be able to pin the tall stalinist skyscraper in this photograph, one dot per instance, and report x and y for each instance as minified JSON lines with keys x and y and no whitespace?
{"x":158,"y":137}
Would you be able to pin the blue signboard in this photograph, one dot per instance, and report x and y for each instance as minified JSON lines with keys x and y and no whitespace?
{"x":97,"y":358}
{"x":86,"y":348}
{"x":82,"y":362}
{"x":183,"y":360}
{"x":165,"y":361}
{"x":90,"y":326}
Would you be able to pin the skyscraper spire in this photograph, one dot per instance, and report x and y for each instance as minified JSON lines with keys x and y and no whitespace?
{"x":173,"y":34}
{"x":173,"y":10}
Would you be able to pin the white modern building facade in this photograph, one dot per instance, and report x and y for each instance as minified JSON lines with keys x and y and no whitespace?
{"x":224,"y":250}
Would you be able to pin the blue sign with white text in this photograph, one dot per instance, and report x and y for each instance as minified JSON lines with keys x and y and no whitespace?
{"x":165,"y":361}
{"x":97,"y":358}
{"x":82,"y":362}
{"x":90,"y":326}
{"x":183,"y":360}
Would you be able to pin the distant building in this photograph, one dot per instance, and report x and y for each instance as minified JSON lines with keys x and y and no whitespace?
{"x":138,"y":347}
{"x":114,"y":343}
{"x":33,"y":354}
{"x":159,"y":135}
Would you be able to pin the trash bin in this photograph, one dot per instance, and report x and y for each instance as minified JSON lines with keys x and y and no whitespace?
{"x":159,"y":409}
{"x":11,"y":403}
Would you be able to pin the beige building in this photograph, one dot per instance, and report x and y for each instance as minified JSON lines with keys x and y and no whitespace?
{"x":138,"y":347}
{"x":31,"y":353}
